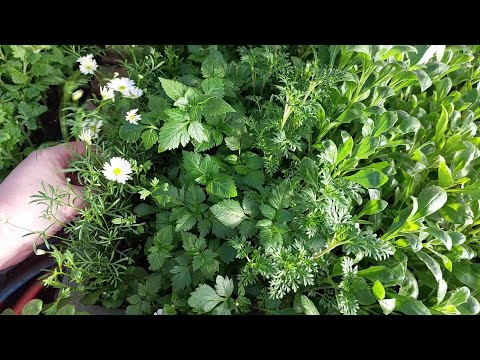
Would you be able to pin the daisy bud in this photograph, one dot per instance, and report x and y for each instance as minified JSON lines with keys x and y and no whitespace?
{"x":77,"y":95}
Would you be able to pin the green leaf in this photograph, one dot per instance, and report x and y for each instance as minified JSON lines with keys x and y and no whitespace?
{"x":8,"y":311}
{"x":459,"y":296}
{"x":149,"y":138}
{"x":365,"y":49}
{"x":68,"y":309}
{"x":33,"y":307}
{"x":213,"y":65}
{"x":330,"y":150}
{"x":224,"y":286}
{"x":441,"y":127}
{"x":368,"y":178}
{"x":442,"y":235}
{"x":444,"y":175}
{"x":185,"y":222}
{"x":378,"y":290}
{"x":18,"y":77}
{"x":213,"y":86}
{"x":470,"y":307}
{"x":387,"y":305}
{"x":281,"y":196}
{"x":308,"y":306}
{"x":345,"y":149}
{"x":373,"y":207}
{"x":366,"y":147}
{"x":423,"y":79}
{"x":206,"y":262}
{"x":172,"y":134}
{"x":144,"y":209}
{"x":398,"y":49}
{"x":410,"y":306}
{"x":204,"y":299}
{"x":181,"y":278}
{"x":130,"y":132}
{"x":233,"y":143}
{"x":384,"y":122}
{"x":197,"y":131}
{"x":348,"y":116}
{"x":214,"y":106}
{"x":229,"y":213}
{"x":431,"y":263}
{"x":222,"y":186}
{"x":268,"y":211}
{"x":174,"y":89}
{"x":157,"y":259}
{"x":309,"y":171}
{"x":429,"y":201}
{"x":468,"y":274}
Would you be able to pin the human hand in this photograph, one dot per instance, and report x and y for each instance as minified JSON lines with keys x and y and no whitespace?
{"x":19,"y":217}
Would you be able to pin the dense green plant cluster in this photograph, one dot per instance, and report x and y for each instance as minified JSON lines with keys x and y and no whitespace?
{"x":26,"y":75}
{"x":283,"y":180}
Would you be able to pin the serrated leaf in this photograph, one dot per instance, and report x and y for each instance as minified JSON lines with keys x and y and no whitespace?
{"x":181,"y":278}
{"x":149,"y":138}
{"x":214,"y":106}
{"x":308,"y":171}
{"x":213,"y":86}
{"x":213,"y":65}
{"x":173,"y":89}
{"x":229,"y":213}
{"x":224,"y":286}
{"x":197,"y":131}
{"x":130,"y":132}
{"x":232,"y":143}
{"x":172,"y":134}
{"x":204,"y":299}
{"x":222,"y":186}
{"x":308,"y":306}
{"x":185,"y":222}
{"x":157,"y":259}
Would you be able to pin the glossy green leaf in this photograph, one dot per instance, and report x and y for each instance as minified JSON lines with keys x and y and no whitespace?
{"x":429,"y":201}
{"x":369,"y":178}
{"x":373,"y":207}
{"x":378,"y":290}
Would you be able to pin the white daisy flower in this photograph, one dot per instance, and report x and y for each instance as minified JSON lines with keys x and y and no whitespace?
{"x":132,"y":116}
{"x":117,"y":169}
{"x":158,"y":312}
{"x":94,"y":125}
{"x":122,"y":85}
{"x":107,"y":93}
{"x":134,"y":92}
{"x":87,"y":64}
{"x":86,"y":136}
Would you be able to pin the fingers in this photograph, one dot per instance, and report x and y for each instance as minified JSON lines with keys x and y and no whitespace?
{"x":63,"y":152}
{"x":76,"y":202}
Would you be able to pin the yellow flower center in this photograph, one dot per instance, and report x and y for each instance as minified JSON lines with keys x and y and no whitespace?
{"x":122,"y":88}
{"x":117,"y":171}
